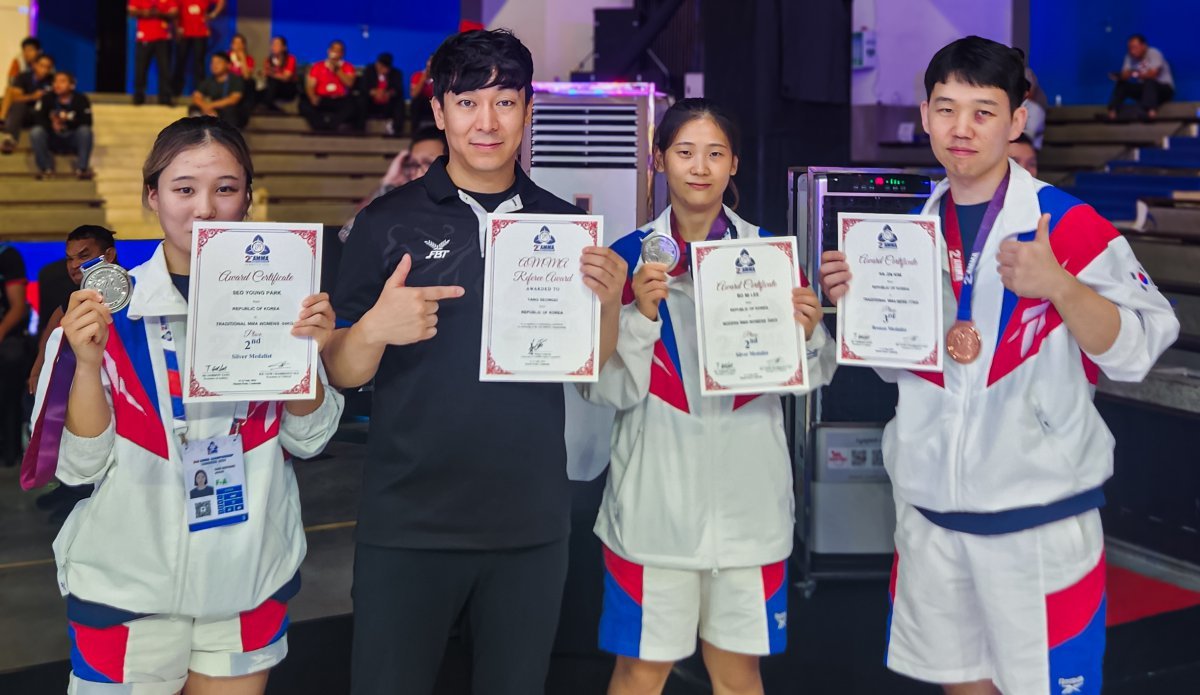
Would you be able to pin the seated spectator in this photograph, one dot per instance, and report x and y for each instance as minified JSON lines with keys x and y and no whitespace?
{"x":63,"y":124}
{"x":222,"y":94}
{"x":383,"y":93}
{"x":28,"y":89}
{"x":421,"y":94}
{"x":328,"y":101}
{"x":1035,"y":121}
{"x":1024,"y":153}
{"x":31,"y":48}
{"x":1145,"y":78}
{"x":15,"y":351}
{"x":279,"y":69}
{"x":241,"y":63}
{"x":428,"y":144}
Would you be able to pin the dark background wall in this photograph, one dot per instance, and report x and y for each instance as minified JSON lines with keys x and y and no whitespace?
{"x":1074,"y":43}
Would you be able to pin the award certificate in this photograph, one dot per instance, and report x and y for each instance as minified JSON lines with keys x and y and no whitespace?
{"x":248,"y":281}
{"x":749,"y":341}
{"x":892,"y":314}
{"x":540,"y":322}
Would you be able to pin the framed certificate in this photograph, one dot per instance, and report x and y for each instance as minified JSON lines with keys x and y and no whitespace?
{"x":749,"y":341}
{"x":248,"y":282}
{"x":540,"y":322}
{"x":892,"y":314}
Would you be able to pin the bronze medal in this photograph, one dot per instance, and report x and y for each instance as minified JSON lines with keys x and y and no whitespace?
{"x":963,"y":342}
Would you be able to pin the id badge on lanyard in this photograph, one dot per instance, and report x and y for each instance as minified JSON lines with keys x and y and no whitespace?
{"x":214,"y":469}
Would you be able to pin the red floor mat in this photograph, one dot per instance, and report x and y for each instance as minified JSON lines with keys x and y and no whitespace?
{"x":1132,"y":596}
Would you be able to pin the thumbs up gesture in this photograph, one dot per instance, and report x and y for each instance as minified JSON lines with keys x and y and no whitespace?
{"x":404,"y":315}
{"x":1029,"y":269}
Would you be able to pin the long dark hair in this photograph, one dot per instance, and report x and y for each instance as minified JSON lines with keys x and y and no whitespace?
{"x":186,"y":133}
{"x":685,"y":111}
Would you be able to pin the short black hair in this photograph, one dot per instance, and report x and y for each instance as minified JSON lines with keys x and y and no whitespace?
{"x":281,"y":39}
{"x":1024,"y":139}
{"x":428,"y":132}
{"x":102,"y":235}
{"x":338,"y":42}
{"x":31,"y":41}
{"x":1139,"y":37}
{"x":479,"y":59}
{"x":68,"y":73}
{"x":222,"y":55}
{"x":45,"y":56}
{"x":979,"y":62}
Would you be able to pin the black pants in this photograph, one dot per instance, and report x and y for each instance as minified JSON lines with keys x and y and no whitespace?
{"x":276,"y":91}
{"x":330,"y":114}
{"x":407,"y":601}
{"x":189,"y":52}
{"x":143,"y":52}
{"x":393,"y":110}
{"x":1149,"y":94}
{"x":16,"y":359}
{"x":20,"y":116}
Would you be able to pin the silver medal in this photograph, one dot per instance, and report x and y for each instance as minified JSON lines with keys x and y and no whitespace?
{"x":660,"y":248}
{"x":112,"y":282}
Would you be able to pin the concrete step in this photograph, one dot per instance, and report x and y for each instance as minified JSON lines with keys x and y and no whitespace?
{"x":1080,"y":156}
{"x":1116,"y":133}
{"x":272,"y":123}
{"x":330,"y":165}
{"x":52,"y":192}
{"x":323,"y":144}
{"x":38,"y":222}
{"x":323,"y":213}
{"x":291,"y":187}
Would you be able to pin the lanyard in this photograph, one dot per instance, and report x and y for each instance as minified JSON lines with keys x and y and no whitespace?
{"x":175,"y":386}
{"x":964,"y":281}
{"x":721,"y":229}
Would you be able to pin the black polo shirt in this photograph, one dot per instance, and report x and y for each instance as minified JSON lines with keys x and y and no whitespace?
{"x":453,"y":463}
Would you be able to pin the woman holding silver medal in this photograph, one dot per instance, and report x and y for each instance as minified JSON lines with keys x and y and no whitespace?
{"x":698,"y":511}
{"x":151,"y":601}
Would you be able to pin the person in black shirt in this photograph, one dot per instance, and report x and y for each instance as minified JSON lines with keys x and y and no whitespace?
{"x":14,"y":349}
{"x":63,"y":123}
{"x":465,"y":506}
{"x":28,"y":89}
{"x":383,"y":93}
{"x":221,"y":95}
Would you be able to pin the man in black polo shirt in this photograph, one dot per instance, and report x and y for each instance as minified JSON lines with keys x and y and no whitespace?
{"x":465,"y":503}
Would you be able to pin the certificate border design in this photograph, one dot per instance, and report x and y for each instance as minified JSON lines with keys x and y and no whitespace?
{"x":712,"y":387}
{"x":930,"y":227}
{"x":206,"y":234}
{"x":491,"y":366}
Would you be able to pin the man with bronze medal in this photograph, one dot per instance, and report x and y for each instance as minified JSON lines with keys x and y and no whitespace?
{"x":998,"y":461}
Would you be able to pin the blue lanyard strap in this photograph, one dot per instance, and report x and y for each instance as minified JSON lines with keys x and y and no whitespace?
{"x":985,"y":230}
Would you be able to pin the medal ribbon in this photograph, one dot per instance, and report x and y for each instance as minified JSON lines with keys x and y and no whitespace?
{"x":721,"y":229}
{"x":963,"y":281}
{"x":174,"y":385}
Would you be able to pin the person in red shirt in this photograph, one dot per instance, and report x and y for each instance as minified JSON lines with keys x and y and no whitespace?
{"x":280,"y":70}
{"x":421,"y":93}
{"x":192,"y":38}
{"x":328,"y":101}
{"x":153,"y":36}
{"x":241,"y":64}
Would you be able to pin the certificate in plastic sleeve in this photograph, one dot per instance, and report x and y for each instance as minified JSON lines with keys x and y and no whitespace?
{"x":248,"y":282}
{"x":540,"y":321}
{"x":748,"y":337}
{"x":891,"y":316}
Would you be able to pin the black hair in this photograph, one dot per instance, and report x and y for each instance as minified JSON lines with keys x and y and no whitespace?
{"x":222,"y":55}
{"x":68,"y":73}
{"x":479,"y":59}
{"x":685,"y":111}
{"x":980,"y":62}
{"x":31,"y":41}
{"x":47,"y":56}
{"x":1139,"y":37}
{"x":1025,"y":140}
{"x":338,"y":42}
{"x":101,"y":235}
{"x":428,"y":133}
{"x":281,"y":39}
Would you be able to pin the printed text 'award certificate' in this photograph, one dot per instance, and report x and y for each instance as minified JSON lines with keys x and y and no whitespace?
{"x":892,"y":314}
{"x":748,"y":336}
{"x":248,"y":281}
{"x":540,"y":322}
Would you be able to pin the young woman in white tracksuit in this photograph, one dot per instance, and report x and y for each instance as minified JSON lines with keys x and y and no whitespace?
{"x":698,"y":511}
{"x":156,"y":604}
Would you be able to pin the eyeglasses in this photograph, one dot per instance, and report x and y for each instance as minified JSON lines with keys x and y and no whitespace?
{"x":415,"y":168}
